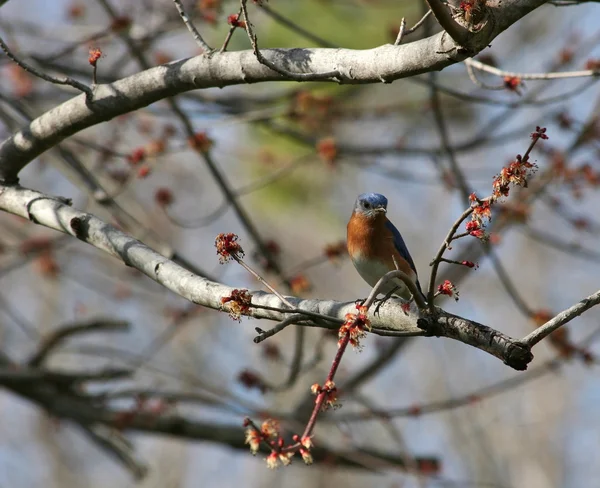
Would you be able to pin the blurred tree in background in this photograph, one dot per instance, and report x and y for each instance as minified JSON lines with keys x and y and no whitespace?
{"x":120,"y":125}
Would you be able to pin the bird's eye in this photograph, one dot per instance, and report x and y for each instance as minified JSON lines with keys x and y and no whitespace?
{"x":367,"y":205}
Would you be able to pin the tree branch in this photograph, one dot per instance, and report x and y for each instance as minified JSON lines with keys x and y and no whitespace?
{"x":392,"y":319}
{"x":562,"y":318}
{"x":444,"y":17}
{"x":57,"y":337}
{"x":382,"y":64}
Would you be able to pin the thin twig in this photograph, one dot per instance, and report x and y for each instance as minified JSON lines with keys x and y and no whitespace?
{"x":330,"y":75}
{"x":190,"y":25}
{"x":300,"y":311}
{"x":419,"y":23}
{"x":530,"y":76}
{"x":401,"y":32}
{"x":265,"y":334}
{"x":115,"y":444}
{"x":436,"y":261}
{"x":478,"y":82}
{"x":229,"y":34}
{"x":64,"y":80}
{"x":324,"y":393}
{"x":57,"y":337}
{"x":241,"y":262}
{"x":507,"y":283}
{"x":560,"y":319}
{"x":571,"y":248}
{"x":296,"y":364}
{"x":445,"y":139}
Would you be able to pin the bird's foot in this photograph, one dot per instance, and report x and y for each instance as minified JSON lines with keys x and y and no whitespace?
{"x":381,"y":301}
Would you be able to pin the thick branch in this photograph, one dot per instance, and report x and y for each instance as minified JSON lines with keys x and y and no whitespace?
{"x":562,"y":318}
{"x":382,"y":64}
{"x":391,"y":319}
{"x":56,"y":214}
{"x":514,"y":353}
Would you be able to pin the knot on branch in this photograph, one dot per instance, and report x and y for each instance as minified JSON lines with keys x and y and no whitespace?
{"x":428,"y":323}
{"x":518,"y":356}
{"x":473,"y":15}
{"x":80,"y":226}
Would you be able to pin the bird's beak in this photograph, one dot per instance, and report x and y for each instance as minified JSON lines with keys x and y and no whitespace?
{"x":380,"y":209}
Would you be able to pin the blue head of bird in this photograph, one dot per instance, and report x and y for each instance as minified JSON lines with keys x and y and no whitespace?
{"x":371,"y":205}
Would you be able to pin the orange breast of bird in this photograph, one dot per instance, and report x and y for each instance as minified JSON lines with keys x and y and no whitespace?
{"x":370,"y":239}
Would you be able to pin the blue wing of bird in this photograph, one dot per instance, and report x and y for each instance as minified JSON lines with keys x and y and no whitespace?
{"x":402,"y":249}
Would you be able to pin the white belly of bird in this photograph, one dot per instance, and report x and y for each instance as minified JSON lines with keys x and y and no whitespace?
{"x":371,"y":271}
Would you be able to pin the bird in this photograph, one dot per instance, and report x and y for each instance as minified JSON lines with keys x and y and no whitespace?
{"x":376,"y":247}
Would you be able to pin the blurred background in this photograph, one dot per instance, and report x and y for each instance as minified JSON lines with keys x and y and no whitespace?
{"x":416,"y":412}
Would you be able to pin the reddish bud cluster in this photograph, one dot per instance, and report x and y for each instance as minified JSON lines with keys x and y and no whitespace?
{"x":565,"y":55}
{"x":273,"y":248}
{"x":120,"y":23}
{"x":150,"y":408}
{"x":447,"y":288}
{"x":329,"y":390}
{"x":540,"y":133}
{"x":565,"y":121}
{"x":336,"y":250}
{"x":592,"y":64}
{"x":312,"y":111}
{"x":271,"y":351}
{"x":161,"y":57}
{"x":238,"y":303}
{"x":143,"y":171}
{"x":269,"y":431}
{"x":469,"y":264}
{"x":251,"y":379}
{"x":200,"y":141}
{"x":227,"y":246}
{"x":163,"y":196}
{"x":141,"y":154}
{"x":209,"y":4}
{"x":512,"y":83}
{"x":516,"y":173}
{"x":46,"y":264}
{"x":75,"y":11}
{"x":575,"y":177}
{"x":471,"y":10}
{"x":136,"y":156}
{"x":559,"y":339}
{"x":270,"y":435}
{"x":95,"y":55}
{"x":482,"y":211}
{"x":518,"y":212}
{"x":307,"y":444}
{"x":209,"y":10}
{"x":234,"y":21}
{"x":36,"y":245}
{"x":466,"y":5}
{"x":415,"y":411}
{"x":354,"y":326}
{"x":22,"y":82}
{"x":299,"y":284}
{"x":474,"y":229}
{"x":327,"y":150}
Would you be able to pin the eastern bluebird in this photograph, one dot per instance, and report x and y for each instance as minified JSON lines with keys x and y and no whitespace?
{"x":376,"y":247}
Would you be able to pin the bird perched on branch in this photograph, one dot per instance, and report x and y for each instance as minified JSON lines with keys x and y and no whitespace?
{"x":376,"y":247}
